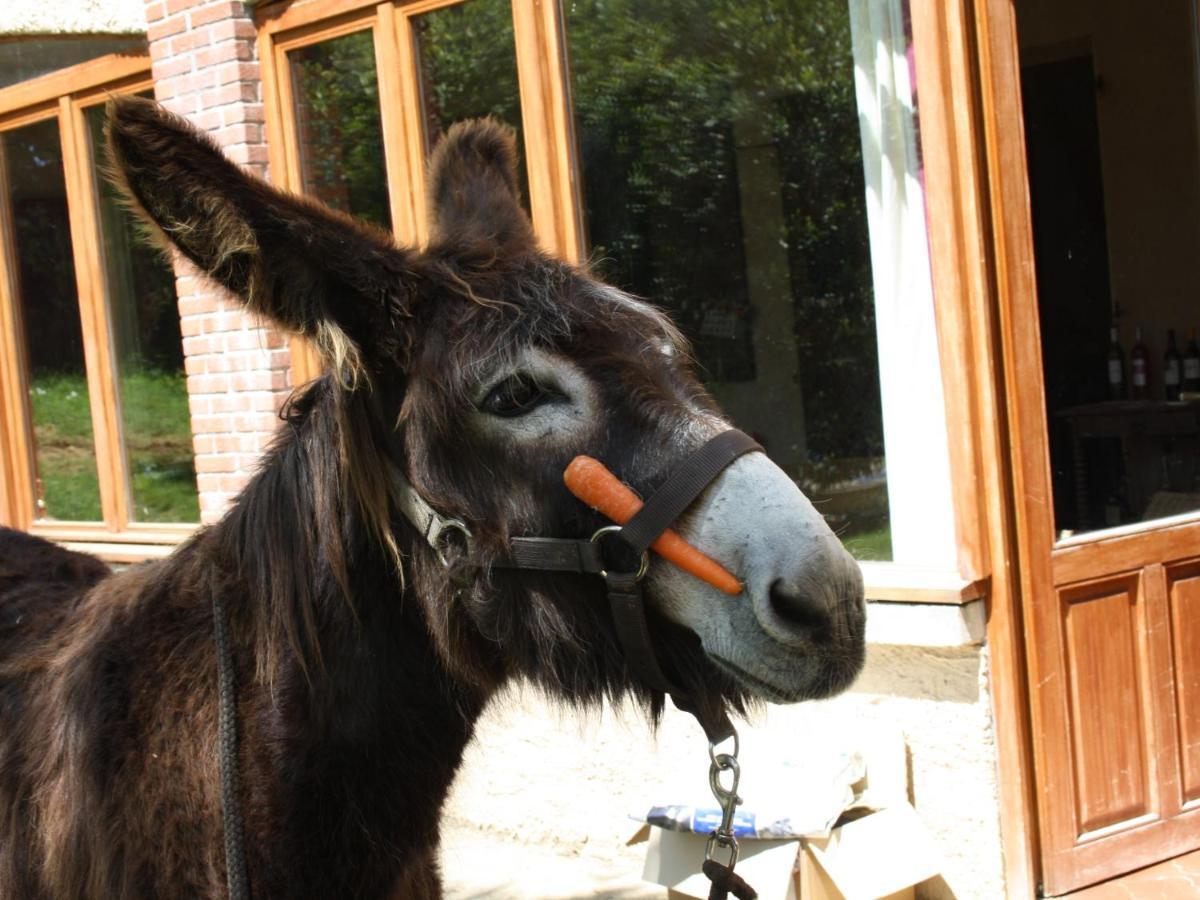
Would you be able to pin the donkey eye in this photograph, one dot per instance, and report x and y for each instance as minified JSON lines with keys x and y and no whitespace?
{"x":515,"y":396}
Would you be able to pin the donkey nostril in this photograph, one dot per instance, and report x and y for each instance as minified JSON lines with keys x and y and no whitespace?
{"x":799,"y":609}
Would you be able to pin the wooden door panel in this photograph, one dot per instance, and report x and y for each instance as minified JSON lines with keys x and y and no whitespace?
{"x":1183,"y":595}
{"x":1106,"y":670}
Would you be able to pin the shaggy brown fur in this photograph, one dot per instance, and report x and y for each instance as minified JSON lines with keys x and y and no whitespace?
{"x":357,"y":691}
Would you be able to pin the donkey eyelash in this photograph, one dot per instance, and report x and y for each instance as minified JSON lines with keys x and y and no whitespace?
{"x":517,"y":395}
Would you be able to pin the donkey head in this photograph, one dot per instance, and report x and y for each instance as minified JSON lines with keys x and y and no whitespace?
{"x":479,"y":367}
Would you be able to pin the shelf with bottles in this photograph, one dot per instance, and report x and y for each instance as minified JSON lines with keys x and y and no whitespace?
{"x":1134,"y":384}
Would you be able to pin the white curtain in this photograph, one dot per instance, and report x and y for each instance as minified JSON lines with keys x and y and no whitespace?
{"x":914,"y":426}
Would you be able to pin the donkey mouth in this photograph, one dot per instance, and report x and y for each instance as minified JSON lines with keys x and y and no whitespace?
{"x":824,"y":681}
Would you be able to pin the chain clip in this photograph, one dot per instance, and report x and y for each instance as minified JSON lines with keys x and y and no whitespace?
{"x":727,"y":798}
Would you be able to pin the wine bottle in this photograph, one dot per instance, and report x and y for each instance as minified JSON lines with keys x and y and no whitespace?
{"x":1172,"y":369}
{"x":1139,"y":367}
{"x":1116,"y":366}
{"x":1191,"y":368}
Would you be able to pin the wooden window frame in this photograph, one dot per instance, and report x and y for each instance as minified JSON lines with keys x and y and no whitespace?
{"x":65,"y":96}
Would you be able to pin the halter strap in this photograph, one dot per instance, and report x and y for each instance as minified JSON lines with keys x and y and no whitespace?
{"x":624,"y":588}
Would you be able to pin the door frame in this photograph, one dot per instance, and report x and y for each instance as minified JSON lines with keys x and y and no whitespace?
{"x":1029,"y":547}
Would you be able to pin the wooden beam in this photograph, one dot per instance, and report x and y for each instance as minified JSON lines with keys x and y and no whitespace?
{"x":94,"y":73}
{"x":16,"y":433}
{"x":97,"y":337}
{"x":547,"y":125}
{"x":946,"y":49}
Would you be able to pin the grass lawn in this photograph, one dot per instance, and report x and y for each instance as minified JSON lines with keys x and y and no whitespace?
{"x":874,"y":545}
{"x":158,"y":446}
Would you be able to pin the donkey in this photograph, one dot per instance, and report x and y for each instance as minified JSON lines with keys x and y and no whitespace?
{"x":472,"y":370}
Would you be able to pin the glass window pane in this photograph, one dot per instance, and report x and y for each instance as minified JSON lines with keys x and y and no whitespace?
{"x":25,"y":56}
{"x":65,"y":455}
{"x":468,"y":65}
{"x":1113,"y":149}
{"x":338,"y":125}
{"x":722,"y":177}
{"x":148,"y":348}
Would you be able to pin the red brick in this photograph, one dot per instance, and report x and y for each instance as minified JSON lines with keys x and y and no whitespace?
{"x":234,"y":68}
{"x":216,"y":463}
{"x":228,"y":52}
{"x":171,"y":67}
{"x":155,"y":11}
{"x":165,"y":28}
{"x":193,"y":83}
{"x":196,"y":345}
{"x":232,"y":29}
{"x":207,"y":482}
{"x":174,"y":6}
{"x":241,"y":93}
{"x":159,"y":50}
{"x":254,"y":157}
{"x":214,"y":12}
{"x":245,"y":133}
{"x":208,"y":384}
{"x":235,"y":443}
{"x":239,"y":113}
{"x":233,"y":483}
{"x":190,"y":40}
{"x":182,"y":106}
{"x":206,"y":119}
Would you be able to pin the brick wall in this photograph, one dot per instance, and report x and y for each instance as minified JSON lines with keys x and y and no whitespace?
{"x":205,"y":67}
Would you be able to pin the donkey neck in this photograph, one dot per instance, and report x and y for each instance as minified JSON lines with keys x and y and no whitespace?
{"x":363,"y":725}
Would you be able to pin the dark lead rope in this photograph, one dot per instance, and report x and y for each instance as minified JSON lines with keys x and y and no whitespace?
{"x":231,"y":806}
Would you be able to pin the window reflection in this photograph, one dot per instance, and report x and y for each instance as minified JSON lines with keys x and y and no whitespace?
{"x":65,"y":457}
{"x":722,"y":176}
{"x":148,"y":347}
{"x":340,"y":133}
{"x":468,"y":67}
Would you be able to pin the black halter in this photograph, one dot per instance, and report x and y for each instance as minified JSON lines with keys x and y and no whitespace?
{"x":598,"y":556}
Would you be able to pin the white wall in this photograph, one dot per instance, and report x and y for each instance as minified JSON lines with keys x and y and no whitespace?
{"x":72,"y":16}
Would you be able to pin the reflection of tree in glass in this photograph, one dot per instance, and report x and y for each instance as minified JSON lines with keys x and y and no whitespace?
{"x":67,"y":481}
{"x":666,"y":95}
{"x":338,"y":121}
{"x":468,"y":67}
{"x":142,"y":308}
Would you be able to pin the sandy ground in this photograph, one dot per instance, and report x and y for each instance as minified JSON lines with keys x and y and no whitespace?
{"x":482,"y":866}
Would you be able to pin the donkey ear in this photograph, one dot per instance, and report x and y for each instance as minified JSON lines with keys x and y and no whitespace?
{"x":310,"y":269}
{"x":473,"y":189}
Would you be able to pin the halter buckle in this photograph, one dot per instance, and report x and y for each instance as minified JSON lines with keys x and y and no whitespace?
{"x":439,"y":528}
{"x":614,"y":529}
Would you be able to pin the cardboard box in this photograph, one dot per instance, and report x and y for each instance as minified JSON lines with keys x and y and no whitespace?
{"x":881,"y":856}
{"x":880,"y":851}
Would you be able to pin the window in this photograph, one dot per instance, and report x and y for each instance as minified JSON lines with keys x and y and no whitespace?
{"x":727,"y":184}
{"x":753,"y":166}
{"x":95,"y":422}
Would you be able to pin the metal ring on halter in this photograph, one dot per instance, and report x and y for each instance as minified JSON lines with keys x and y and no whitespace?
{"x":613,"y":529}
{"x":440,"y":527}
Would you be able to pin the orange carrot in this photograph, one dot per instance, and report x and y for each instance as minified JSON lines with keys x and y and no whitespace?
{"x":591,"y":482}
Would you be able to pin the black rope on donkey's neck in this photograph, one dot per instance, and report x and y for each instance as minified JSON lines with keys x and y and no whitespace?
{"x":231,"y":805}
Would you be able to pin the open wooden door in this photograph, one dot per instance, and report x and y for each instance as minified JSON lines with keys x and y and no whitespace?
{"x":1090,"y":109}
